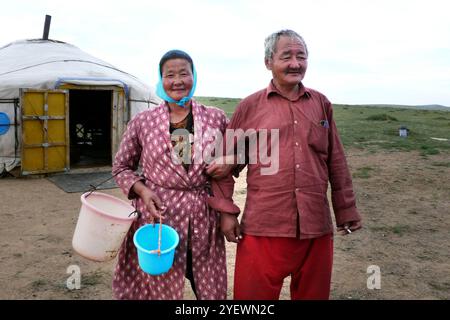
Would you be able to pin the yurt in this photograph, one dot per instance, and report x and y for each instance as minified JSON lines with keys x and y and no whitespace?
{"x":61,"y":108}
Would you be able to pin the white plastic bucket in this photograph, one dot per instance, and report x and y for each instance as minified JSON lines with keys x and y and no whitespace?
{"x":103,"y":223}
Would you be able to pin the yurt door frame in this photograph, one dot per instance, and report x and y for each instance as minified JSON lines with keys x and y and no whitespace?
{"x":120,"y":118}
{"x":120,"y":113}
{"x":45,"y":131}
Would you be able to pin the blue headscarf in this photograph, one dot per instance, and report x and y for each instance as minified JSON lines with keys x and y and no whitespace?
{"x":175,"y":54}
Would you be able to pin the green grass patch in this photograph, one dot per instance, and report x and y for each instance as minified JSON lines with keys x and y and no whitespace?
{"x":379,"y":228}
{"x":39,"y":284}
{"x":381,"y":117}
{"x":427,"y":150}
{"x":401,"y":229}
{"x":363,"y":173}
{"x":226,"y":104}
{"x":398,"y":229}
{"x":441,"y":164}
{"x":357,"y":131}
{"x":93,"y":278}
{"x":441,"y":286}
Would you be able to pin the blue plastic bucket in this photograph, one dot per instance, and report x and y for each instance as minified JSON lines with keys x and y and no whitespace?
{"x":146,"y":239}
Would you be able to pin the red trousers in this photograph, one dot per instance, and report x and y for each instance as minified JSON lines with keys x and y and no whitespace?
{"x":262,"y":263}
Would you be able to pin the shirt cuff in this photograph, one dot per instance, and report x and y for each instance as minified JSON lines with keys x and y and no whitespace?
{"x":223,"y":205}
{"x":346,"y":215}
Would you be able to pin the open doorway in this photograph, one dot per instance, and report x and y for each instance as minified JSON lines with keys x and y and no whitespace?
{"x":90,"y":127}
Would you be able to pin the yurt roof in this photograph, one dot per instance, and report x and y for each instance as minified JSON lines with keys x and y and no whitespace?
{"x":46,"y":64}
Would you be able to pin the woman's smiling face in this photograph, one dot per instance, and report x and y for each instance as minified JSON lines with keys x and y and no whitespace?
{"x":177,"y":78}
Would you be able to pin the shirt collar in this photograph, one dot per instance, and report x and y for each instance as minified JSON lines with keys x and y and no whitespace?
{"x":271,"y":89}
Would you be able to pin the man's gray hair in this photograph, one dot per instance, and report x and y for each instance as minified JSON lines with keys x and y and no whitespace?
{"x":270,"y":44}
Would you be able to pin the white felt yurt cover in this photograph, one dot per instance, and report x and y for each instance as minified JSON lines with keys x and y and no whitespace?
{"x":48,"y":64}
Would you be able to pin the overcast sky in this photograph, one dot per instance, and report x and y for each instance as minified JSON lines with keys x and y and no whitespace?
{"x":360,"y":51}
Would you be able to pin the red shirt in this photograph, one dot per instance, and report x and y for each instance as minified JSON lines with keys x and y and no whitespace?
{"x":293,"y":202}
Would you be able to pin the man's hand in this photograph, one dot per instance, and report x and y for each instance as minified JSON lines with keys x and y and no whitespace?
{"x":349,"y":227}
{"x":230,"y":227}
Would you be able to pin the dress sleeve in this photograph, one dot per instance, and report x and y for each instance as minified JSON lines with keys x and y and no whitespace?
{"x":222,"y":198}
{"x":127,"y":159}
{"x":342,"y":195}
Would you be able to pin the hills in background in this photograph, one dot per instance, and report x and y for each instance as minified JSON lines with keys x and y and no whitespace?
{"x":376,"y":127}
{"x":228,"y":104}
{"x":399,"y":106}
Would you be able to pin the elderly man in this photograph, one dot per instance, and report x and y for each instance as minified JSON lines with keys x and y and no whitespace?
{"x":286,"y":228}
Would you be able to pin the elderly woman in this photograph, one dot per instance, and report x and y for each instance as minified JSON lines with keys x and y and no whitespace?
{"x":173,"y":183}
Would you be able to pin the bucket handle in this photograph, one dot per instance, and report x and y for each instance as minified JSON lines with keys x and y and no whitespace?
{"x":158,"y":251}
{"x":136,"y":212}
{"x":94,"y":188}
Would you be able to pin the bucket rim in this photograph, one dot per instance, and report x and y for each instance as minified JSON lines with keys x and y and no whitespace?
{"x":156,"y":225}
{"x":102,"y":212}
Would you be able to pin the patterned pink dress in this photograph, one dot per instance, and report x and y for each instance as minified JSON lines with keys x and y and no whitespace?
{"x":147,"y":141}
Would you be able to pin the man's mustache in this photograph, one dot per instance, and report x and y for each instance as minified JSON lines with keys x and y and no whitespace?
{"x":293,"y":70}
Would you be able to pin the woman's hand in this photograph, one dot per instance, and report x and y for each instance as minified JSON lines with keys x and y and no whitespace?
{"x":220,"y":167}
{"x":229,"y":225}
{"x":151,"y":200}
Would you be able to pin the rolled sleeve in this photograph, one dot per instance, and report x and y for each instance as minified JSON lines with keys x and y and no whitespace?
{"x":344,"y":206}
{"x":222,"y":198}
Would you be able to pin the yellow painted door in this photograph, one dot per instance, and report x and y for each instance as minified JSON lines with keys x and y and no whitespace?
{"x":45,"y":131}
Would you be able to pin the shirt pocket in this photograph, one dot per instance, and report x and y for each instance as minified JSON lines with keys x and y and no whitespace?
{"x":317,"y":137}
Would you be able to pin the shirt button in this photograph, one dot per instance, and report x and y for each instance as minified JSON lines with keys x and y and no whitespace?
{"x":196,"y":231}
{"x":297,"y":189}
{"x":295,"y":121}
{"x":296,"y":143}
{"x":297,"y":166}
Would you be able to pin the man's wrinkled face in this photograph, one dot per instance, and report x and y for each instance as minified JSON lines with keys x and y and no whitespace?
{"x":289,"y":62}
